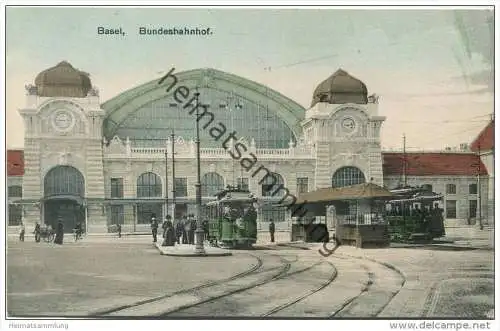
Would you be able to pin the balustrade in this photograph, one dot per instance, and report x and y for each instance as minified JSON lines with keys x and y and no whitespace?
{"x":119,"y":149}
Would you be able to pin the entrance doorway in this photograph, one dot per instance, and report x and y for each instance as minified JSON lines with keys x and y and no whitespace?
{"x":69,"y":211}
{"x":64,"y":191}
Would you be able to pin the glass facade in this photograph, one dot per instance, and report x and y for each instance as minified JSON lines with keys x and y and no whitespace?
{"x":271,"y":184}
{"x":64,"y":180}
{"x":149,"y":185}
{"x":347,"y":176}
{"x":150,"y":125}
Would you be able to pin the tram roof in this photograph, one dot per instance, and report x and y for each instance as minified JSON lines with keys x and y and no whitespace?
{"x":419,"y":197}
{"x":353,"y":192}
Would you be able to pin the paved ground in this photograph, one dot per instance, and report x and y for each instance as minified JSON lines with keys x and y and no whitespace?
{"x":97,"y":273}
{"x":116,"y":277}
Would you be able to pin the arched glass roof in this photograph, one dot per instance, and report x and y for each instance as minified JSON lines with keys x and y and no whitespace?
{"x":148,"y":114}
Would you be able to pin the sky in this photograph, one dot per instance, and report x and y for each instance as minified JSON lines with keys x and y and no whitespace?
{"x":433,"y":69}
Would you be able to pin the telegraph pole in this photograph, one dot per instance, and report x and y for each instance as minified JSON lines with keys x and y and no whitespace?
{"x":173,"y":174}
{"x":479,"y":185}
{"x":199,"y":249}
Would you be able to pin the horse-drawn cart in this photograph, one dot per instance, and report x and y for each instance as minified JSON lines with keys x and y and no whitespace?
{"x":47,"y":234}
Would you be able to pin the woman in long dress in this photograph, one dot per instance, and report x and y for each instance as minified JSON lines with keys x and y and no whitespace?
{"x":59,"y":233}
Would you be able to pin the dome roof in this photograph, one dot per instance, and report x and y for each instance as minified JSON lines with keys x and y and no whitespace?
{"x":63,"y":81}
{"x":340,"y":88}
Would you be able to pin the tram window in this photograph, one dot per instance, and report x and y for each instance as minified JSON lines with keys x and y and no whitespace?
{"x":451,"y":189}
{"x":472,"y":188}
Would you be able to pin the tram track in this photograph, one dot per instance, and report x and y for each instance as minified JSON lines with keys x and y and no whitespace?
{"x":305,"y":295}
{"x":368,"y":300}
{"x":158,"y":306}
{"x":255,"y":267}
{"x":211,"y":306}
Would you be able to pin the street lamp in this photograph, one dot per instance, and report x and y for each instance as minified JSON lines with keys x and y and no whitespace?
{"x":173,"y":174}
{"x":199,"y":233}
{"x":166,"y":178}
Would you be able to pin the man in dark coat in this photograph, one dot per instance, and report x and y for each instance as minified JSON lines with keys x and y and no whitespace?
{"x":206,"y":228}
{"x":154,"y":227}
{"x":178,"y":230}
{"x":59,"y":233}
{"x":186,"y":230}
{"x":21,"y":232}
{"x":192,"y":230}
{"x":37,"y":232}
{"x":272,"y":229}
{"x":164,"y":225}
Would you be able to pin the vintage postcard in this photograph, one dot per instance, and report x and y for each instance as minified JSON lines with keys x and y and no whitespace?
{"x":331,"y":163}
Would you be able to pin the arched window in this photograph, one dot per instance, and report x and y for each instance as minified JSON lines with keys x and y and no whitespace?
{"x":347,"y":176}
{"x":211,"y":183}
{"x":148,"y":185}
{"x":271,"y":184}
{"x":64,"y":180}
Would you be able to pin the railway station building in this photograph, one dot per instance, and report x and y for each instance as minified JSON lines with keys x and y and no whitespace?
{"x":120,"y":161}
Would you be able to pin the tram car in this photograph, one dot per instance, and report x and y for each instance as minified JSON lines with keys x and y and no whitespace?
{"x":414,"y":215}
{"x":232,"y":219}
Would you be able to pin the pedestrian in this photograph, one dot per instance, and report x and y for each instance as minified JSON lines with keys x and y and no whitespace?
{"x":164,"y":226}
{"x":186,"y":229}
{"x":272,"y":229}
{"x":59,"y":233}
{"x":37,"y":232}
{"x":168,"y":234}
{"x":154,"y":227}
{"x":178,"y":231}
{"x":206,"y":228}
{"x":119,"y":230}
{"x":192,"y":229}
{"x":22,"y":230}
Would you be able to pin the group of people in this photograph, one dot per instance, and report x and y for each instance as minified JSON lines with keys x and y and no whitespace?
{"x":408,"y":210}
{"x":178,"y":231}
{"x":59,"y":233}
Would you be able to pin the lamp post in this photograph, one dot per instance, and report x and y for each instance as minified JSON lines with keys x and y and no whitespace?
{"x":166,"y":179}
{"x":173,"y":174}
{"x":199,"y":249}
